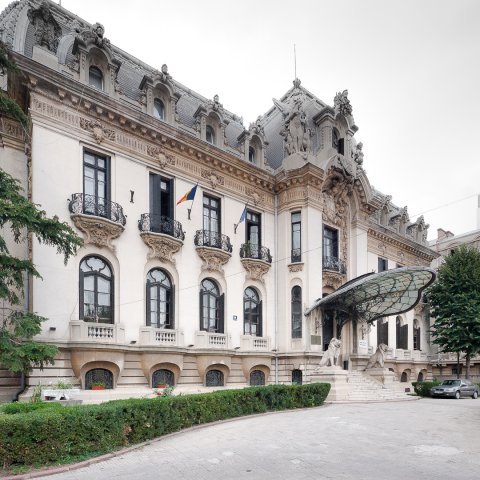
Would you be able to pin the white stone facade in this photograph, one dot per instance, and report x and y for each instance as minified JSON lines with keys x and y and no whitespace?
{"x":298,"y":168}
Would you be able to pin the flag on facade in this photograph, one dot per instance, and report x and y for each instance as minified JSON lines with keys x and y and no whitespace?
{"x":243,"y":216}
{"x":190,"y":195}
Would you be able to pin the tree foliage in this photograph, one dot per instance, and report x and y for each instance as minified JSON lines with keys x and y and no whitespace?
{"x":18,"y":351}
{"x":455,"y":303}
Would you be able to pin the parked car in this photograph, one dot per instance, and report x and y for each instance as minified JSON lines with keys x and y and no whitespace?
{"x":455,"y":389}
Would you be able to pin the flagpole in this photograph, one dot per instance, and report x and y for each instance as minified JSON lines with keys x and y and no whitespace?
{"x":235,"y":225}
{"x":189,"y":210}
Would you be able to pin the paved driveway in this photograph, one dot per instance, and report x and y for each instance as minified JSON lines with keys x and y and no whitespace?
{"x":425,"y":439}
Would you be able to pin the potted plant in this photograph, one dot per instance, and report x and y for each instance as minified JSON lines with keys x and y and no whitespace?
{"x":98,"y":385}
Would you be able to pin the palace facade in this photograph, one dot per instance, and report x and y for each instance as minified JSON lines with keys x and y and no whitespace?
{"x":212,"y":291}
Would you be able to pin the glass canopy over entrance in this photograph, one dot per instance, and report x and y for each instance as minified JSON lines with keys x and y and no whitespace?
{"x":377,"y":295}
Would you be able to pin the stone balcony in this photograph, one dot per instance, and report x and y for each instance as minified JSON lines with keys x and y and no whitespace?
{"x":256,"y":260}
{"x":212,"y":340}
{"x":81,"y":331}
{"x":163,"y":235}
{"x":253,"y":343}
{"x":100,"y":220}
{"x":160,"y":337}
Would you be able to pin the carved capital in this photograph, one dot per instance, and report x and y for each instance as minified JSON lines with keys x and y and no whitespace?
{"x":256,"y":269}
{"x":98,"y":231}
{"x":213,"y":258}
{"x":163,"y":247}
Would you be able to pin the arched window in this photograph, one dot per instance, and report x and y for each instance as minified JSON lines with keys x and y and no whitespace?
{"x":100,"y":377}
{"x":297,"y":377}
{"x":252,"y":313}
{"x":160,"y":300}
{"x":257,"y":378}
{"x":404,"y":377}
{"x":251,"y":155}
{"x":211,"y":307}
{"x":95,"y":78}
{"x":416,"y":335}
{"x":296,"y":308}
{"x":158,"y":109}
{"x":163,"y":377}
{"x":214,"y":378}
{"x":96,"y":290}
{"x":210,"y":135}
{"x":420,"y":377}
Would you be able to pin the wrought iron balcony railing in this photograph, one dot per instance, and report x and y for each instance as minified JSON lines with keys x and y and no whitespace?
{"x":81,"y":203}
{"x":296,"y":255}
{"x":256,"y":252}
{"x":150,"y":222}
{"x":334,"y":264}
{"x":205,"y":238}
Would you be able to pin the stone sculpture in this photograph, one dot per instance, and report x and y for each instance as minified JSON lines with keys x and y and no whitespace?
{"x":342,"y":103}
{"x":378,"y":358}
{"x":330,"y":357}
{"x":47,"y":29}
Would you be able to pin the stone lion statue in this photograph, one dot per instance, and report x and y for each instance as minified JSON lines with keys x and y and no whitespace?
{"x":378,"y":358}
{"x":330,"y":357}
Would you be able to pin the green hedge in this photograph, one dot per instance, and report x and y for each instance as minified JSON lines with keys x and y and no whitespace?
{"x":423,"y":388}
{"x":26,"y":407}
{"x":50,"y":435}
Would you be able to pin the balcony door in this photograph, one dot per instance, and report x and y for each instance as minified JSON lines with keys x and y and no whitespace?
{"x":96,"y":188}
{"x":253,"y":234}
{"x":211,"y":222}
{"x":161,"y":204}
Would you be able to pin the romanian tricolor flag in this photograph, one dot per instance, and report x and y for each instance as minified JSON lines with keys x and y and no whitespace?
{"x":190,"y":195}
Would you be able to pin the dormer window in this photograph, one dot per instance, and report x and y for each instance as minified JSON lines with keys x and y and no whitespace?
{"x":95,"y":78}
{"x":210,"y":135}
{"x":337,"y":142}
{"x":158,"y":109}
{"x":251,"y":155}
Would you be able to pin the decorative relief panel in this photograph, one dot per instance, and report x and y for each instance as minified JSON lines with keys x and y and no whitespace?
{"x":99,"y":131}
{"x":295,"y":267}
{"x":332,"y":279}
{"x":98,"y":231}
{"x":213,"y":178}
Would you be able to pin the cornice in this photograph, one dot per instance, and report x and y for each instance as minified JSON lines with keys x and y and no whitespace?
{"x":395,"y":240}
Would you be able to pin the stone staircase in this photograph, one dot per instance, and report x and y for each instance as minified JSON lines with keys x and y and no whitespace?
{"x":364,"y":388}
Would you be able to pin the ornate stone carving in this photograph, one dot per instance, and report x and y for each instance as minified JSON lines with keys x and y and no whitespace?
{"x":163,"y":247}
{"x":213,"y":258}
{"x":364,"y":328}
{"x":332,"y":279}
{"x":357,"y":155}
{"x":295,"y":267}
{"x":213,"y":178}
{"x":295,"y":131}
{"x":94,"y":35}
{"x":98,"y":231}
{"x":330,"y":357}
{"x":257,"y":127}
{"x":254,"y":196}
{"x":378,"y":358}
{"x":98,"y":131}
{"x":256,"y":269}
{"x":342,"y":103}
{"x":161,"y":155}
{"x":47,"y":30}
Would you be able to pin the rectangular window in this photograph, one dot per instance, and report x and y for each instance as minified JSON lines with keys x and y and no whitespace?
{"x":330,"y":249}
{"x":296,"y":307}
{"x":296,"y":237}
{"x":211,"y":222}
{"x":382,"y":264}
{"x":161,"y":203}
{"x":382,"y":331}
{"x":253,"y":236}
{"x":96,"y":184}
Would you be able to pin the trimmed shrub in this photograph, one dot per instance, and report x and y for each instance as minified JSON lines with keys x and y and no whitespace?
{"x":423,"y":388}
{"x":26,"y":407}
{"x":48,"y":435}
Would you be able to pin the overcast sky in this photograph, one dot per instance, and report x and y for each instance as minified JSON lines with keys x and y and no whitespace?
{"x":412,"y":69}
